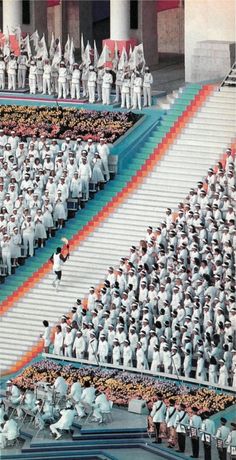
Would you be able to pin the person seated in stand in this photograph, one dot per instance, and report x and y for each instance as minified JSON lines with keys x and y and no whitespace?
{"x":9,"y":431}
{"x":65,"y":421}
{"x":100,"y":405}
{"x":60,"y":385}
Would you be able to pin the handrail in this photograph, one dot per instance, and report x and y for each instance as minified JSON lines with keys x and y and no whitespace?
{"x":227,"y":75}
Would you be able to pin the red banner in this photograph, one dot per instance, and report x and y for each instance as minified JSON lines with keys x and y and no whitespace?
{"x":53,"y":3}
{"x":163,"y":5}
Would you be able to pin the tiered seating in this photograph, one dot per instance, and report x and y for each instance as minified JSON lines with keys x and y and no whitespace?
{"x":105,"y":244}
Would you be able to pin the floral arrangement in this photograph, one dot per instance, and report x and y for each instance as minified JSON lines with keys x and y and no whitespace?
{"x":120,"y":386}
{"x":62,"y":122}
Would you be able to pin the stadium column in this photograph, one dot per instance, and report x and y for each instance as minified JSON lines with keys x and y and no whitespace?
{"x":12,"y":15}
{"x":120,"y":19}
{"x":119,"y":27}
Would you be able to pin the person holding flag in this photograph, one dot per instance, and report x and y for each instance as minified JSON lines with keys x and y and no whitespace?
{"x":22,"y":68}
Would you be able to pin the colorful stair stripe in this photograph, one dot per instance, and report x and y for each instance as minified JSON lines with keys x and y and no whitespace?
{"x":107,"y":210}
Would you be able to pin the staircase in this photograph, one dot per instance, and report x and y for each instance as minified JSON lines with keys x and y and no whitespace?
{"x":199,"y":145}
{"x":230,"y":79}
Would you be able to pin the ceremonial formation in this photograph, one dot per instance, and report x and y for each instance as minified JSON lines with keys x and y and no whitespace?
{"x":118,"y":321}
{"x":51,"y":72}
{"x":170,"y":305}
{"x":37,"y":178}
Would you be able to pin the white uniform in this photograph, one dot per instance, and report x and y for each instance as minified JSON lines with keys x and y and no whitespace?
{"x":2,"y":74}
{"x":79,"y":347}
{"x":65,"y":422}
{"x":91,"y":85}
{"x":106,"y":88}
{"x":11,"y":70}
{"x":22,"y":68}
{"x":47,"y":70}
{"x":32,"y":78}
{"x":125,"y":92}
{"x":62,"y":82}
{"x":58,"y":343}
{"x":137,"y":89}
{"x":75,"y":84}
{"x":101,"y":405}
{"x":147,"y":82}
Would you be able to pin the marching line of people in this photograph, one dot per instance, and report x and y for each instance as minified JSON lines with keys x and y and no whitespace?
{"x":176,"y":422}
{"x":170,"y":305}
{"x":77,"y":80}
{"x":37,"y":177}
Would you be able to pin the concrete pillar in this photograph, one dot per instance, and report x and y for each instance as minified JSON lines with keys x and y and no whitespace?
{"x":12,"y":15}
{"x":119,"y":19}
{"x":58,"y":20}
{"x":149,"y":31}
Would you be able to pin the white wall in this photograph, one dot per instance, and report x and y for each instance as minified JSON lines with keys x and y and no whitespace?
{"x":207,"y":20}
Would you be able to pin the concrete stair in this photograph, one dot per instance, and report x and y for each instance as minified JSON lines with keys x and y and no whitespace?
{"x":185,"y":162}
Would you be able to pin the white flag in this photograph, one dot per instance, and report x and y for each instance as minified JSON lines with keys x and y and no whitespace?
{"x":139,"y":56}
{"x":17,"y":32}
{"x":72,"y":51}
{"x":6,"y":46}
{"x":26,"y":46}
{"x":95,"y":54}
{"x":67,"y":50}
{"x":132,"y":61}
{"x":82,"y":46}
{"x":105,"y":56}
{"x":57,"y":54}
{"x":52,"y":47}
{"x":123,"y":59}
{"x":115,"y":59}
{"x":35,"y":39}
{"x":86,"y":56}
{"x":42,"y":51}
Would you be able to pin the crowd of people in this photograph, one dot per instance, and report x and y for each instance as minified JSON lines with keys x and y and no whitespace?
{"x":50,"y":405}
{"x":170,"y":305}
{"x":57,"y":405}
{"x":77,"y":80}
{"x":37,"y":177}
{"x":176,"y":423}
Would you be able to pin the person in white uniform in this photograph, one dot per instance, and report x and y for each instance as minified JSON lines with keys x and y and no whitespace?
{"x":158,"y":415}
{"x":2,"y":72}
{"x":11,"y":71}
{"x":147,"y":83}
{"x":65,"y":422}
{"x":101,"y":404}
{"x":62,"y":81}
{"x":58,"y":341}
{"x":58,"y":260}
{"x":125,"y":91}
{"x":92,"y":77}
{"x":32,"y":77}
{"x":75,"y":82}
{"x":22,"y":69}
{"x":47,"y":70}
{"x":6,"y":252}
{"x":106,"y":87}
{"x":137,"y":90}
{"x":79,"y":346}
{"x":9,"y":431}
{"x":28,"y":235}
